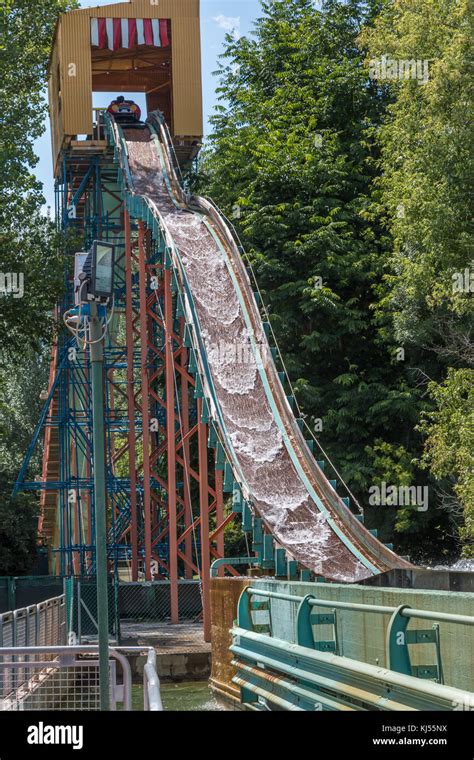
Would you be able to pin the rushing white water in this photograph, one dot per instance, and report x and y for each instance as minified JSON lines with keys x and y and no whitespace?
{"x":276,"y":489}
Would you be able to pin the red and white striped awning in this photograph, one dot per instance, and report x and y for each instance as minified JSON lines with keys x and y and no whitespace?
{"x":116,"y":33}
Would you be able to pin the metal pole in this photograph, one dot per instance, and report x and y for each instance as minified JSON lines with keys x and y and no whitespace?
{"x":219,"y":481}
{"x":204,"y":511}
{"x":132,"y":459}
{"x":145,"y":395}
{"x":171,"y":439}
{"x":188,"y":517}
{"x":97,"y":363}
{"x":88,"y":555}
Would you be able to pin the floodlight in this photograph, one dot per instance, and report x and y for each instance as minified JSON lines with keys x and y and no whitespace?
{"x":97,"y":273}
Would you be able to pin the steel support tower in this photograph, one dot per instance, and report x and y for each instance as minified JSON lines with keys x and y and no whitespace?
{"x":166,"y":515}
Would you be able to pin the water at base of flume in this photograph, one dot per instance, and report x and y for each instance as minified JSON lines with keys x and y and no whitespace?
{"x":185,"y":696}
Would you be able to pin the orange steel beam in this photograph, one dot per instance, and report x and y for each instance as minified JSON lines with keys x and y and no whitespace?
{"x":204,"y":511}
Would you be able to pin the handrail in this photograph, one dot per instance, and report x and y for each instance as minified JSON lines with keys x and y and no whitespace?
{"x":65,"y":652}
{"x":151,"y":684}
{"x":348,"y":683}
{"x":444,"y":617}
{"x":38,"y":428}
{"x":408,"y":612}
{"x":397,"y":640}
{"x":32,"y":611}
{"x":223,"y":561}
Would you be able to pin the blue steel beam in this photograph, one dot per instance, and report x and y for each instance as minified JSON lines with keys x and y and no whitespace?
{"x":39,"y":426}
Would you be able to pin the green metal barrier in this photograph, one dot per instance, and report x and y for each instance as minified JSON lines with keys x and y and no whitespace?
{"x":223,"y":561}
{"x":398,"y":638}
{"x":273,"y":673}
{"x":25,"y":590}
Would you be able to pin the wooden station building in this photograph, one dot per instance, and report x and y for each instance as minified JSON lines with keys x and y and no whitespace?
{"x":147,"y":46}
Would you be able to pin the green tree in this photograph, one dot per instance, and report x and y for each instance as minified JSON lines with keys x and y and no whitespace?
{"x":29,"y":246}
{"x":427,"y":146}
{"x":425,"y":184}
{"x":20,"y":404}
{"x":293,"y":160}
{"x":18,"y":524}
{"x":449,"y":448}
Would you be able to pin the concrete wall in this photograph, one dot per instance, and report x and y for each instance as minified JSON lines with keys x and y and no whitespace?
{"x":361,"y":634}
{"x":426,"y":578}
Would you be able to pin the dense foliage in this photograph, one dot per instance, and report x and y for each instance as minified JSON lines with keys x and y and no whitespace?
{"x":27,"y":241}
{"x":427,"y":146}
{"x":29,"y":248}
{"x":351,"y":195}
{"x":296,"y":157}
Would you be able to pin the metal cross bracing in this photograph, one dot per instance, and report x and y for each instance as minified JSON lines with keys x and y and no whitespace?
{"x":180,"y":489}
{"x":168,"y":465}
{"x":166,"y":514}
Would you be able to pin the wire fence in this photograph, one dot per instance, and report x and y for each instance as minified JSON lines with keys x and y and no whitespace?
{"x":138,"y":604}
{"x":49,"y":687}
{"x":83,"y":613}
{"x":151,"y":601}
{"x":67,"y":678}
{"x":23,"y":591}
{"x":145,"y":615}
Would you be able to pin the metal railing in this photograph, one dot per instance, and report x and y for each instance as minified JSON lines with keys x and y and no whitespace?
{"x":67,"y":678}
{"x":98,"y":132}
{"x":25,"y":590}
{"x":407,"y":611}
{"x":60,"y":678}
{"x":255,"y":615}
{"x":42,"y":624}
{"x":151,"y":685}
{"x":39,"y":624}
{"x":274,"y":674}
{"x":37,"y":670}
